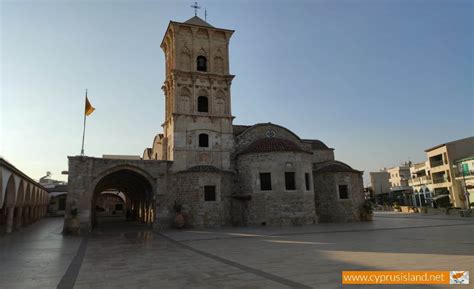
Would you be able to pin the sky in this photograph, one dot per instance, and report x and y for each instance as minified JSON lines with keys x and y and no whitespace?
{"x":379,"y":81}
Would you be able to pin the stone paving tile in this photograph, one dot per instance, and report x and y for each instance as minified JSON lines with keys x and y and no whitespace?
{"x":243,"y":258}
{"x":36,"y":256}
{"x":317,"y":256}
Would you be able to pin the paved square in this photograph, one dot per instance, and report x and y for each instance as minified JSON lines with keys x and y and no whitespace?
{"x":265,"y":257}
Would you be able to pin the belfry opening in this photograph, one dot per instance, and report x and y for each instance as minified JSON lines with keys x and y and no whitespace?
{"x":124,"y":195}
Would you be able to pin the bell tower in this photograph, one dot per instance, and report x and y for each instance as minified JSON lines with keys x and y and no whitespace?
{"x":198,"y":119}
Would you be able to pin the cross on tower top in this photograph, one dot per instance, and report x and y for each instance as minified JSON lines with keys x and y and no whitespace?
{"x":196,"y":7}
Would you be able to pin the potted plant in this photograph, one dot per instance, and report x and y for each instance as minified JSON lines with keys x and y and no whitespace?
{"x":425,"y":209}
{"x":179,"y":220}
{"x":74,"y":223}
{"x":396,"y":207}
{"x":366,"y":211}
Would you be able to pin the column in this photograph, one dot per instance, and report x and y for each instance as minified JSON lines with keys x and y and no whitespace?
{"x":10,"y":212}
{"x":26,"y":212}
{"x":19,"y":218}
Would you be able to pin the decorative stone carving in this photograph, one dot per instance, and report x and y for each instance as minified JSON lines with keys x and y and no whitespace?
{"x":203,"y":157}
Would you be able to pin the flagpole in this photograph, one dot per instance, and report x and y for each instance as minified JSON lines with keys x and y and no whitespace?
{"x":84,"y":129}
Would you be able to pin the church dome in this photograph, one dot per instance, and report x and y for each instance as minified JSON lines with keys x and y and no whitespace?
{"x":334,"y":166}
{"x":316,"y":144}
{"x":272,"y":144}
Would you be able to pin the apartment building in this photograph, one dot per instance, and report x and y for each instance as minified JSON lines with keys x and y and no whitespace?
{"x":421,"y":183}
{"x":464,"y":173}
{"x":400,"y":191}
{"x":391,"y":185}
{"x":399,"y":176}
{"x":380,"y":186}
{"x":442,"y":162}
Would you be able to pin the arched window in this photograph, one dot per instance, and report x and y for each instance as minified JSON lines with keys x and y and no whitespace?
{"x":201,"y":63}
{"x":203,"y":104}
{"x":203,"y":140}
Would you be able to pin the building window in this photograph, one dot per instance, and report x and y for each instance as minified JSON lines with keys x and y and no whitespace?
{"x":203,"y":140}
{"x":265,"y":181}
{"x":290,"y":181}
{"x":343,"y":192}
{"x":203,"y":105}
{"x":201,"y":63}
{"x":306,"y":181}
{"x":209,"y":193}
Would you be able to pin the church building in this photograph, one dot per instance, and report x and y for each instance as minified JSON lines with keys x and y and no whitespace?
{"x":208,"y":169}
{"x":239,"y":174}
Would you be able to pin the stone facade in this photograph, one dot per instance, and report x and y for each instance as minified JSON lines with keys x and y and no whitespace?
{"x":330,"y":207}
{"x":210,"y":171}
{"x":22,"y":199}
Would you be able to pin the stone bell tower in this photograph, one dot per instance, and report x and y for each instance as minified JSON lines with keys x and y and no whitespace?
{"x":198,"y":119}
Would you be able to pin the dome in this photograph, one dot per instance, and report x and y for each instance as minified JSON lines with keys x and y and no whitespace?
{"x":316,"y":144}
{"x":334,"y":166}
{"x":272,"y":144}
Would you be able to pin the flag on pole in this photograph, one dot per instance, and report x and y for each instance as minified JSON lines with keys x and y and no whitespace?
{"x":89,"y":108}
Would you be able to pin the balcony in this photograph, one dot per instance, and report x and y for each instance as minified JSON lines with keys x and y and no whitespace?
{"x":466,"y":174}
{"x":418,"y":181}
{"x":440,"y":180}
{"x":436,"y":163}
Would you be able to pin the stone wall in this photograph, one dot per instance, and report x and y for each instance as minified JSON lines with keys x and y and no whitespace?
{"x":320,"y":156}
{"x":187,"y":189}
{"x":277,"y":206}
{"x":86,"y":172}
{"x":186,"y":150}
{"x":329,"y":207}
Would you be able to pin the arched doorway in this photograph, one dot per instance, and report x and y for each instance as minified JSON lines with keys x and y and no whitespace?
{"x":7,"y":210}
{"x":123,"y":195}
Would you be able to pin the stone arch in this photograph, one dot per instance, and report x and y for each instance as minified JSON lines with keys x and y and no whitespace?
{"x":184,"y":104}
{"x":34,"y":196}
{"x":203,"y":92}
{"x":220,"y":106}
{"x":20,"y":201}
{"x":219,"y":62}
{"x":202,"y":34}
{"x":184,"y":32}
{"x":10,"y":192}
{"x":21,"y":194}
{"x":203,"y":101}
{"x":27,"y":204}
{"x":201,"y":63}
{"x":111,"y":202}
{"x":138,"y":186}
{"x":203,"y":140}
{"x":7,"y":210}
{"x":185,"y":58}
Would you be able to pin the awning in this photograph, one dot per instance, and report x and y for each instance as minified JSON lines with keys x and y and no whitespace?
{"x":439,"y":197}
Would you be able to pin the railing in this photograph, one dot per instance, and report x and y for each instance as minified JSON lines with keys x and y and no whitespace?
{"x":466,"y":173}
{"x":436,"y":163}
{"x":440,"y":180}
{"x":423,"y":180}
